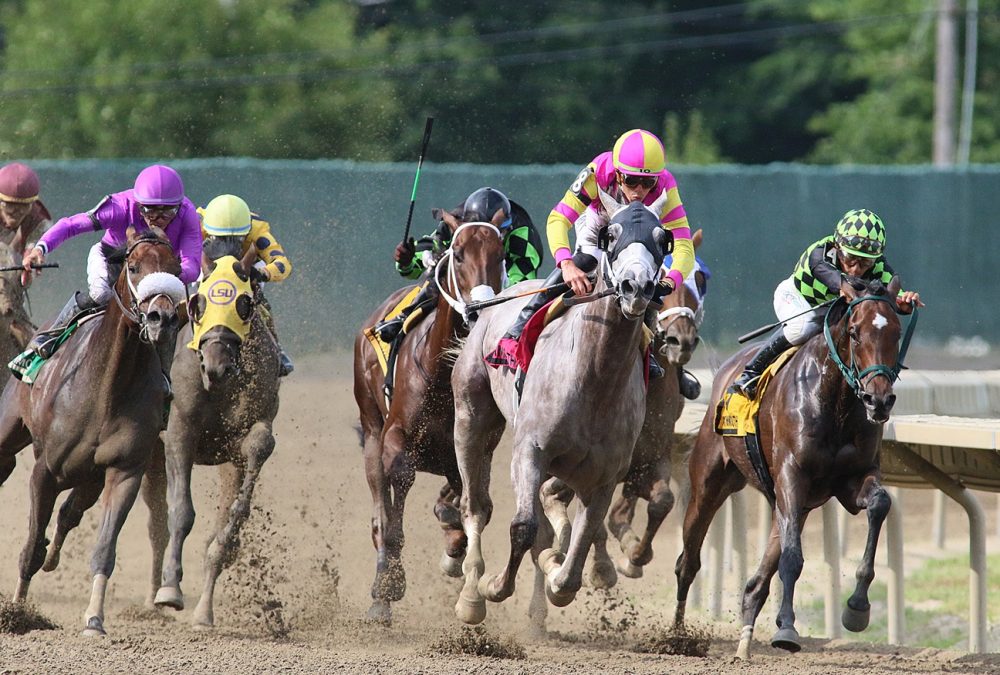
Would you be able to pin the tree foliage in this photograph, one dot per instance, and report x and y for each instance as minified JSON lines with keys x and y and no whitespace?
{"x":513,"y":82}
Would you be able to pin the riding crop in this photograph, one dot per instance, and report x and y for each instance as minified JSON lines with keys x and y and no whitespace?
{"x":763,"y":329}
{"x":416,"y":178}
{"x":18,"y":268}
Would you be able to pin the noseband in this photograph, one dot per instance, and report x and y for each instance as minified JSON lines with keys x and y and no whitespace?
{"x":855,"y":379}
{"x":457,"y":303}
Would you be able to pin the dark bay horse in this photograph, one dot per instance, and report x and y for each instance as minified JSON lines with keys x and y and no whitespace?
{"x":820,"y":427}
{"x":94,"y":415}
{"x":580,"y":413}
{"x":15,"y":327}
{"x":414,"y":433}
{"x":225,"y":376}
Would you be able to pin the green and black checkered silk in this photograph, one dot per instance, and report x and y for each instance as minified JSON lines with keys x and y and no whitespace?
{"x":861,"y":232}
{"x":817,"y":275}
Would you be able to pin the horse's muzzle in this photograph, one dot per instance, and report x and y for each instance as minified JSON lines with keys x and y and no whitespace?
{"x":878,"y":405}
{"x":160,"y":322}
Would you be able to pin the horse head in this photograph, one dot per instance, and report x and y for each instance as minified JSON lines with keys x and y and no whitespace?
{"x":865,"y":343}
{"x":11,"y":291}
{"x":474,"y":262}
{"x":678,"y":322}
{"x":636,"y":245}
{"x":149,"y":289}
{"x":221,"y":312}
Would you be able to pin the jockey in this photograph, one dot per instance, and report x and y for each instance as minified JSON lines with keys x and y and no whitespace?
{"x":227,"y":219}
{"x":22,"y":216}
{"x":634,"y":170}
{"x":157,"y":199}
{"x":855,"y":249}
{"x":521,"y":241}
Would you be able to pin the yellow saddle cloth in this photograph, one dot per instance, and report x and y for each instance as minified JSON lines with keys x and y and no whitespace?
{"x":736,"y":415}
{"x":381,"y":348}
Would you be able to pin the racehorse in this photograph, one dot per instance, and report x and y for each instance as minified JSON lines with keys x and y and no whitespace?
{"x":15,"y":328}
{"x":820,"y":427}
{"x":580,"y":413}
{"x":94,"y":414}
{"x":225,"y":376}
{"x":414,"y":432}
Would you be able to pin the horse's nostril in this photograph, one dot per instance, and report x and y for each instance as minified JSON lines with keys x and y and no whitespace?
{"x":867,"y":399}
{"x":154,"y":317}
{"x":629,"y":287}
{"x":673,"y":341}
{"x":890,"y":400}
{"x":647,"y":289}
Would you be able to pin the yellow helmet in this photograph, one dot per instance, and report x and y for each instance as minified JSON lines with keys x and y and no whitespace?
{"x":226,"y":216}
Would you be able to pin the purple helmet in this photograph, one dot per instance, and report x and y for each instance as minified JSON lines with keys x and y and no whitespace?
{"x":157,"y":185}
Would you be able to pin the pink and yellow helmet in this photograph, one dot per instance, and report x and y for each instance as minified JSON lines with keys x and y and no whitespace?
{"x":638,"y":153}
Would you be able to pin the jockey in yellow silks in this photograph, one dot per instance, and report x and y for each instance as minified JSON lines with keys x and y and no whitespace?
{"x":227,"y":221}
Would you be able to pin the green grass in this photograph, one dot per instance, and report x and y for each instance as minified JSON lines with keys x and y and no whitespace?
{"x":936,"y":599}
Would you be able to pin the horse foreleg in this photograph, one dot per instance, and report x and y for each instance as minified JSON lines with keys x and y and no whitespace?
{"x":14,"y":435}
{"x":448,"y":515}
{"x":566,"y":576}
{"x":43,"y":500}
{"x":182,"y":439}
{"x":620,"y":517}
{"x":120,"y":490}
{"x":756,"y":591}
{"x":556,"y":496}
{"x":79,"y":500}
{"x":526,"y":475}
{"x":379,"y":612}
{"x":256,"y":447}
{"x":602,"y":569}
{"x":154,"y":494}
{"x":875,"y":499}
{"x":789,"y":516}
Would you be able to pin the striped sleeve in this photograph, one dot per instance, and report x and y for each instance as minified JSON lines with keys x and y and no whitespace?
{"x":674,"y":218}
{"x":576,"y":200}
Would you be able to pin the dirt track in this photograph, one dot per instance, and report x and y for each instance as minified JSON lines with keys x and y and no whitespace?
{"x":308,"y":566}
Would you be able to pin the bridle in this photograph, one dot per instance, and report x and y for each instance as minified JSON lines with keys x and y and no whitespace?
{"x":857,"y":379}
{"x":457,"y":303}
{"x":133,"y":313}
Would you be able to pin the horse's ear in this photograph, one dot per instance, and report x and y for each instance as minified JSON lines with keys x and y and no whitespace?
{"x":852,"y":286}
{"x":895,"y":285}
{"x":450,"y":220}
{"x":196,"y":307}
{"x":158,"y":232}
{"x":240,"y":271}
{"x":696,"y":238}
{"x":129,"y":234}
{"x":498,"y":218}
{"x":436,"y":213}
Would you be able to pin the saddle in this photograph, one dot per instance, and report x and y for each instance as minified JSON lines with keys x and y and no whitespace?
{"x":25,"y":366}
{"x":517,"y":354}
{"x":386,"y":352}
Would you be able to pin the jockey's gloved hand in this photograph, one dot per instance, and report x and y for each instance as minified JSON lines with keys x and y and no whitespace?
{"x":404,"y":252}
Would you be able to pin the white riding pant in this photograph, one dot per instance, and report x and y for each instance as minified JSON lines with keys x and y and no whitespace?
{"x":789,"y":302}
{"x":98,"y":284}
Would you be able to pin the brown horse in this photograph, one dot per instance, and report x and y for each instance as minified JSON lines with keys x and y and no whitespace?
{"x":15,"y":327}
{"x":820,"y":426}
{"x":94,"y":414}
{"x":414,"y":432}
{"x":226,"y":399}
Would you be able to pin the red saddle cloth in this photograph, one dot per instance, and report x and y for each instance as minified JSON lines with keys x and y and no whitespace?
{"x":516,"y":353}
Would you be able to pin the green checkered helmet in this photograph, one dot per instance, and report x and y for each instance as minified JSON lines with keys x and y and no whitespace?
{"x":860,"y":232}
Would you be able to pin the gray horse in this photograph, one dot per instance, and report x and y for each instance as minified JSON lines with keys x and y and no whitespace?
{"x":225,"y":376}
{"x":580,"y":413}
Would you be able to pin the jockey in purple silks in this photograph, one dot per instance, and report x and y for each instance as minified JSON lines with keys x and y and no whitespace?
{"x":156,"y":200}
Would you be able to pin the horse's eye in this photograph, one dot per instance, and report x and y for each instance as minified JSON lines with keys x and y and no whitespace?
{"x":457,"y":254}
{"x":853,"y":332}
{"x":133,"y":269}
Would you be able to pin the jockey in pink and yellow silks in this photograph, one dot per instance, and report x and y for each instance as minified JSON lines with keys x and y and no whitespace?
{"x":633,"y":171}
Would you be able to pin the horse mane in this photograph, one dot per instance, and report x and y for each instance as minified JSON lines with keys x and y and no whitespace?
{"x":117,"y":255}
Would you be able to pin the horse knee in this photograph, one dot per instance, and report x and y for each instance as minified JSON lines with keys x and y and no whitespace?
{"x":181,"y":519}
{"x":660,"y":504}
{"x":879,"y":504}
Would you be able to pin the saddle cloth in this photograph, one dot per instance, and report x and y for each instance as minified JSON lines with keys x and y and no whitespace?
{"x":25,"y":366}
{"x":736,"y":415}
{"x":518,"y":353}
{"x":382,"y":349}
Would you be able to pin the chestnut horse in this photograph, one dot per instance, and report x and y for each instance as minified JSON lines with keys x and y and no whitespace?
{"x":414,"y":433}
{"x":225,"y":378}
{"x":94,"y":415}
{"x":820,"y":427}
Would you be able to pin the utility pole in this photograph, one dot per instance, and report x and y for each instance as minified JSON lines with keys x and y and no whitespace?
{"x":945,"y":82}
{"x":968,"y":80}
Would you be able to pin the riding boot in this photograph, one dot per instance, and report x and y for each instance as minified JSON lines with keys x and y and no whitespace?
{"x":286,"y":367}
{"x":44,"y":342}
{"x":655,"y":369}
{"x":388,"y":329}
{"x":537,"y":302}
{"x":746,"y":383}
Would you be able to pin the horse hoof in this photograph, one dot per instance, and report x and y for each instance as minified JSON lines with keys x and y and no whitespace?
{"x":603,"y":575}
{"x":390,"y":585}
{"x":470,"y":610}
{"x":855,"y":620}
{"x":452,"y":567}
{"x":95,"y":628}
{"x":169,"y":596}
{"x":51,"y":562}
{"x":626,"y":568}
{"x":379,"y":613}
{"x":557,"y":598}
{"x":787,"y":639}
{"x":201,"y":626}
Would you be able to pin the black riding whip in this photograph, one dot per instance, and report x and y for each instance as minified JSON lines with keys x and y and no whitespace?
{"x":416,"y":179}
{"x":19,"y":268}
{"x":763,"y":329}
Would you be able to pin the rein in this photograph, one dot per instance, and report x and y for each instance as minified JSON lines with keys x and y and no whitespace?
{"x":856,"y":379}
{"x":457,"y":303}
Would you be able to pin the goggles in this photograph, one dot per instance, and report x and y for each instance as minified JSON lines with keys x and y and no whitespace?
{"x":646,"y":182}
{"x":159,"y":210}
